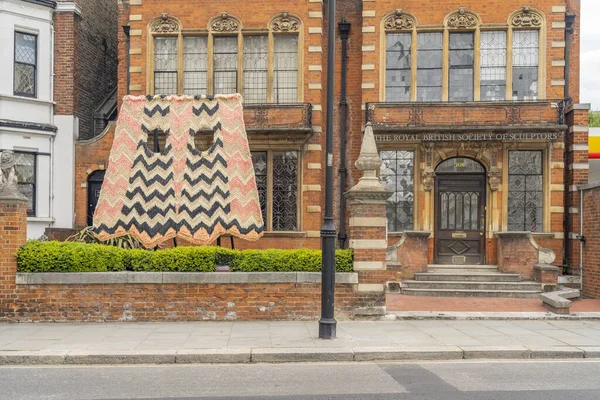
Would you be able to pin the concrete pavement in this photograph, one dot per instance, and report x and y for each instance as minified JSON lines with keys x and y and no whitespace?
{"x":286,"y":341}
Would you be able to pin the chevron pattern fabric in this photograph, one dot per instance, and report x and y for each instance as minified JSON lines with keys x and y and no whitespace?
{"x":181,"y":191}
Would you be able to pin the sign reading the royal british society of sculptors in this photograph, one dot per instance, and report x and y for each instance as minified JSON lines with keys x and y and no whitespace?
{"x":466,"y":137}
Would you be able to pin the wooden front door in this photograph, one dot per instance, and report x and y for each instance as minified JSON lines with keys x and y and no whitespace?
{"x":459,"y":218}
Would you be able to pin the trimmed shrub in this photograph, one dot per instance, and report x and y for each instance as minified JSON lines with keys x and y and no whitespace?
{"x":38,"y":256}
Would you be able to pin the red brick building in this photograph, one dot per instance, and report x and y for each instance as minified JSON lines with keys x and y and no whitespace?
{"x":474,"y":106}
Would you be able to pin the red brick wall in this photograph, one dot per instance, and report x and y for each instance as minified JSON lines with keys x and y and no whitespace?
{"x":185,"y":302}
{"x":591,"y":249}
{"x":517,"y":255}
{"x":13,"y":234}
{"x":85,"y":63}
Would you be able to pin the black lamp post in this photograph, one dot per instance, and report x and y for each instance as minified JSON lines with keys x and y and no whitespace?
{"x":327,"y":323}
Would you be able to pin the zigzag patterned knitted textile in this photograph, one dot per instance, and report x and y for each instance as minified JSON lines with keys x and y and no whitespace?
{"x":181,"y":191}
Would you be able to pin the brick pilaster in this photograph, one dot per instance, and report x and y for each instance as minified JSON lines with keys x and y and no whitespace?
{"x":368,"y":231}
{"x":13,"y":234}
{"x":576,"y":168}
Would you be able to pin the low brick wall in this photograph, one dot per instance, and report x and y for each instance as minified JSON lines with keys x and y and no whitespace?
{"x":591,"y":247}
{"x":135,"y":296}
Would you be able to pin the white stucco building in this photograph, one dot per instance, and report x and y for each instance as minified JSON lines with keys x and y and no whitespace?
{"x":43,"y":141}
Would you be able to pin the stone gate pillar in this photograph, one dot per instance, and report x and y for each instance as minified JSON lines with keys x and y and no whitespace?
{"x":13,"y":232}
{"x":368,"y":231}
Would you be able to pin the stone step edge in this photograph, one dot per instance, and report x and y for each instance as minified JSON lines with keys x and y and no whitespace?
{"x":463,"y":266}
{"x":472,"y":291}
{"x":285,"y":355}
{"x":526,"y":283}
{"x":467,"y":274}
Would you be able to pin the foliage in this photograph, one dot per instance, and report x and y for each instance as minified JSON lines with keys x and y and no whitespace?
{"x":38,"y":256}
{"x":53,"y":256}
{"x":594,"y":119}
{"x":86,"y":235}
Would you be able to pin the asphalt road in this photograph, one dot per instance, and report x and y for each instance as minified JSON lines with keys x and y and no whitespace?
{"x":485,"y":380}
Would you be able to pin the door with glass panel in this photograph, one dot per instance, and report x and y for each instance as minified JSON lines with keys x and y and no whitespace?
{"x":460,"y":212}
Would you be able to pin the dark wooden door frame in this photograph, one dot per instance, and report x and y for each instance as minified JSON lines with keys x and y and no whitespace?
{"x":481,"y":215}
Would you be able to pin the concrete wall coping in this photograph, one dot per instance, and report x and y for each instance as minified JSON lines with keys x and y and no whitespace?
{"x":104,"y":278}
{"x":589,"y":186}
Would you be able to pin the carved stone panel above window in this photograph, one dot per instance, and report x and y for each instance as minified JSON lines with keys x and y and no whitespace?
{"x":165,"y":25}
{"x":285,"y":22}
{"x":225,"y":23}
{"x":462,"y":19}
{"x":399,"y":21}
{"x":526,"y":18}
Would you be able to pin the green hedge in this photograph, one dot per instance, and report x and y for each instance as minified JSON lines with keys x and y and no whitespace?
{"x":38,"y":256}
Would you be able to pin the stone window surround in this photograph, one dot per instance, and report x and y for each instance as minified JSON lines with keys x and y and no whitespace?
{"x":227,"y":25}
{"x":408,"y":23}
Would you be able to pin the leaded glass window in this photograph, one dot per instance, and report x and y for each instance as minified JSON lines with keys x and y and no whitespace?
{"x":285,"y":68}
{"x":285,"y":190}
{"x":25,"y":64}
{"x":461,"y":53}
{"x":225,"y":63}
{"x":195,"y":65}
{"x":525,"y":197}
{"x":279,"y":202}
{"x":493,"y":65}
{"x":26,"y":177}
{"x":256,"y":69}
{"x":259,"y":160}
{"x":397,"y":66}
{"x":165,"y":65}
{"x":525,"y":65}
{"x":429,"y":66}
{"x":397,"y":174}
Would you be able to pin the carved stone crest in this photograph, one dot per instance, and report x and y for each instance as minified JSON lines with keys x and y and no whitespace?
{"x":165,"y":24}
{"x":8,"y":177}
{"x":527,"y":18}
{"x":399,"y":21}
{"x":285,"y":23}
{"x":225,"y":23}
{"x":494,"y":178}
{"x":462,"y":19}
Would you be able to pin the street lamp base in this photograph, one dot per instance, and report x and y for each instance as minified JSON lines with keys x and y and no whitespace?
{"x":327,"y":328}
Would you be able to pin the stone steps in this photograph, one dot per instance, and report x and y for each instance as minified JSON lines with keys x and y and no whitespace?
{"x":467,"y":276}
{"x":465,"y":285}
{"x":469,"y":281}
{"x":515,"y":294}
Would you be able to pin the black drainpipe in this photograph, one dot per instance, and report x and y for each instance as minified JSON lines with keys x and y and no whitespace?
{"x":569,"y":21}
{"x":344,"y":27}
{"x":126,"y":29}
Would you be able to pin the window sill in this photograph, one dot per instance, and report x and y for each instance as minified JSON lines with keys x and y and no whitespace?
{"x":40,"y":219}
{"x":289,"y":234}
